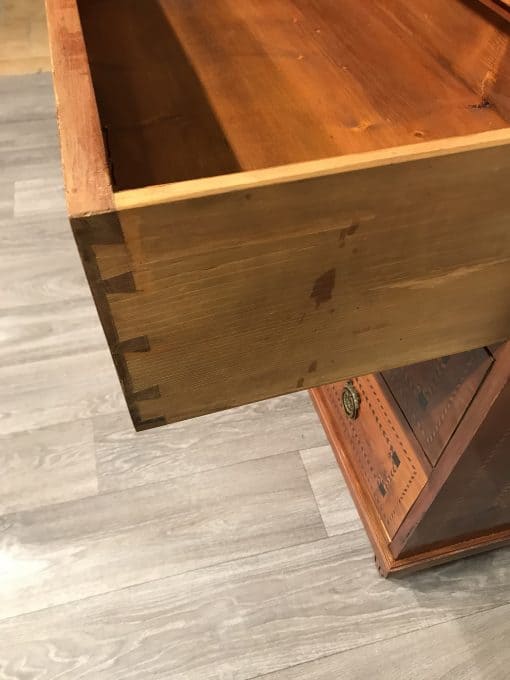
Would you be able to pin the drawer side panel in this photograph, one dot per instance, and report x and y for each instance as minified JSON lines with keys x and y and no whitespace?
{"x":262,"y":290}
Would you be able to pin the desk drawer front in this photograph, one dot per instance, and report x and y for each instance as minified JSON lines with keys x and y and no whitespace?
{"x":381,"y":448}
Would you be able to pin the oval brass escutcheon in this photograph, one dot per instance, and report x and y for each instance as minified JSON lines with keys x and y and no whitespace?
{"x":351,"y":400}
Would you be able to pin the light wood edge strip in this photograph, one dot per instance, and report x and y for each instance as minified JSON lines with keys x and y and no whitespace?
{"x":86,"y":175}
{"x":199,"y":188}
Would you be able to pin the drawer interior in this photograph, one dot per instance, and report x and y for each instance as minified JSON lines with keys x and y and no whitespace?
{"x":187,"y":90}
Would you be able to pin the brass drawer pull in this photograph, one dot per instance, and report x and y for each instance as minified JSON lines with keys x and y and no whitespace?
{"x":351,"y":400}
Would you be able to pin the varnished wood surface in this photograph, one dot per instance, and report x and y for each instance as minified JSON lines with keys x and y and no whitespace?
{"x":459,"y":510}
{"x":240,"y":86}
{"x":316,"y":610}
{"x":434,"y":396}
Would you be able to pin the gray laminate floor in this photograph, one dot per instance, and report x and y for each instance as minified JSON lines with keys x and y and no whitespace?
{"x":222,"y":548}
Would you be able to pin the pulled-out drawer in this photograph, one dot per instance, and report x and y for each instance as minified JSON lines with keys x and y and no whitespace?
{"x":270,"y":196}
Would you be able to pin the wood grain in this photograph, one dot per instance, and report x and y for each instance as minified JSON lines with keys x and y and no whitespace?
{"x":202,"y":264}
{"x":267,"y":288}
{"x":476,"y":446}
{"x":267,"y":428}
{"x":249,"y":617}
{"x":472,"y":648}
{"x":335,"y":505}
{"x":244,"y":87}
{"x":53,"y":556}
{"x":320,"y":603}
{"x":434,"y":395}
{"x":476,"y":496}
{"x":501,"y":7}
{"x":87,"y":179}
{"x":51,"y":465}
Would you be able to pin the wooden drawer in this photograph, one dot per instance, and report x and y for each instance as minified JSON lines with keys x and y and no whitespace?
{"x":273,"y":196}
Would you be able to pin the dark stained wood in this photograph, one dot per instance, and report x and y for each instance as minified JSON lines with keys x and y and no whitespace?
{"x":475,"y":497}
{"x":501,"y":7}
{"x":386,"y":562}
{"x":434,"y":395}
{"x":185,"y":93}
{"x":464,"y":505}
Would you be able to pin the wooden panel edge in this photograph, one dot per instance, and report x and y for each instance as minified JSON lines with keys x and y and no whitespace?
{"x":102,"y":230}
{"x":364,"y":505}
{"x":473,"y":418}
{"x":448,"y":553}
{"x":252,"y":179}
{"x":86,"y":174}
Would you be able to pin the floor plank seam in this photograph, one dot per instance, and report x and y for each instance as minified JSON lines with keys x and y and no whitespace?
{"x":314,"y":496}
{"x":379,"y":641}
{"x":198,"y":472}
{"x":180,"y":574}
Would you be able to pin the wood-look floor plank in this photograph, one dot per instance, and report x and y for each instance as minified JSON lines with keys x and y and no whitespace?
{"x":39,"y":132}
{"x":471,"y":648}
{"x":6,"y":200}
{"x":27,"y":97}
{"x":36,"y":196}
{"x":47,"y":466}
{"x":335,"y":504}
{"x":22,"y":235}
{"x":267,"y":428}
{"x":49,"y":331}
{"x":26,"y":164}
{"x":78,"y":549}
{"x":249,"y":617}
{"x":58,"y":390}
{"x":46,"y":277}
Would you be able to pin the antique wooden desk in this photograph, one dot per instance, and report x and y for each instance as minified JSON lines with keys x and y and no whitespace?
{"x":274,"y":196}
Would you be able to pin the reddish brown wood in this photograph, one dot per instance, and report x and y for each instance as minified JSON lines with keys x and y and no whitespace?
{"x":476,"y":495}
{"x":464,"y":505}
{"x":501,"y":7}
{"x":87,"y":178}
{"x":434,"y":395}
{"x":384,"y":451}
{"x":185,"y":93}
